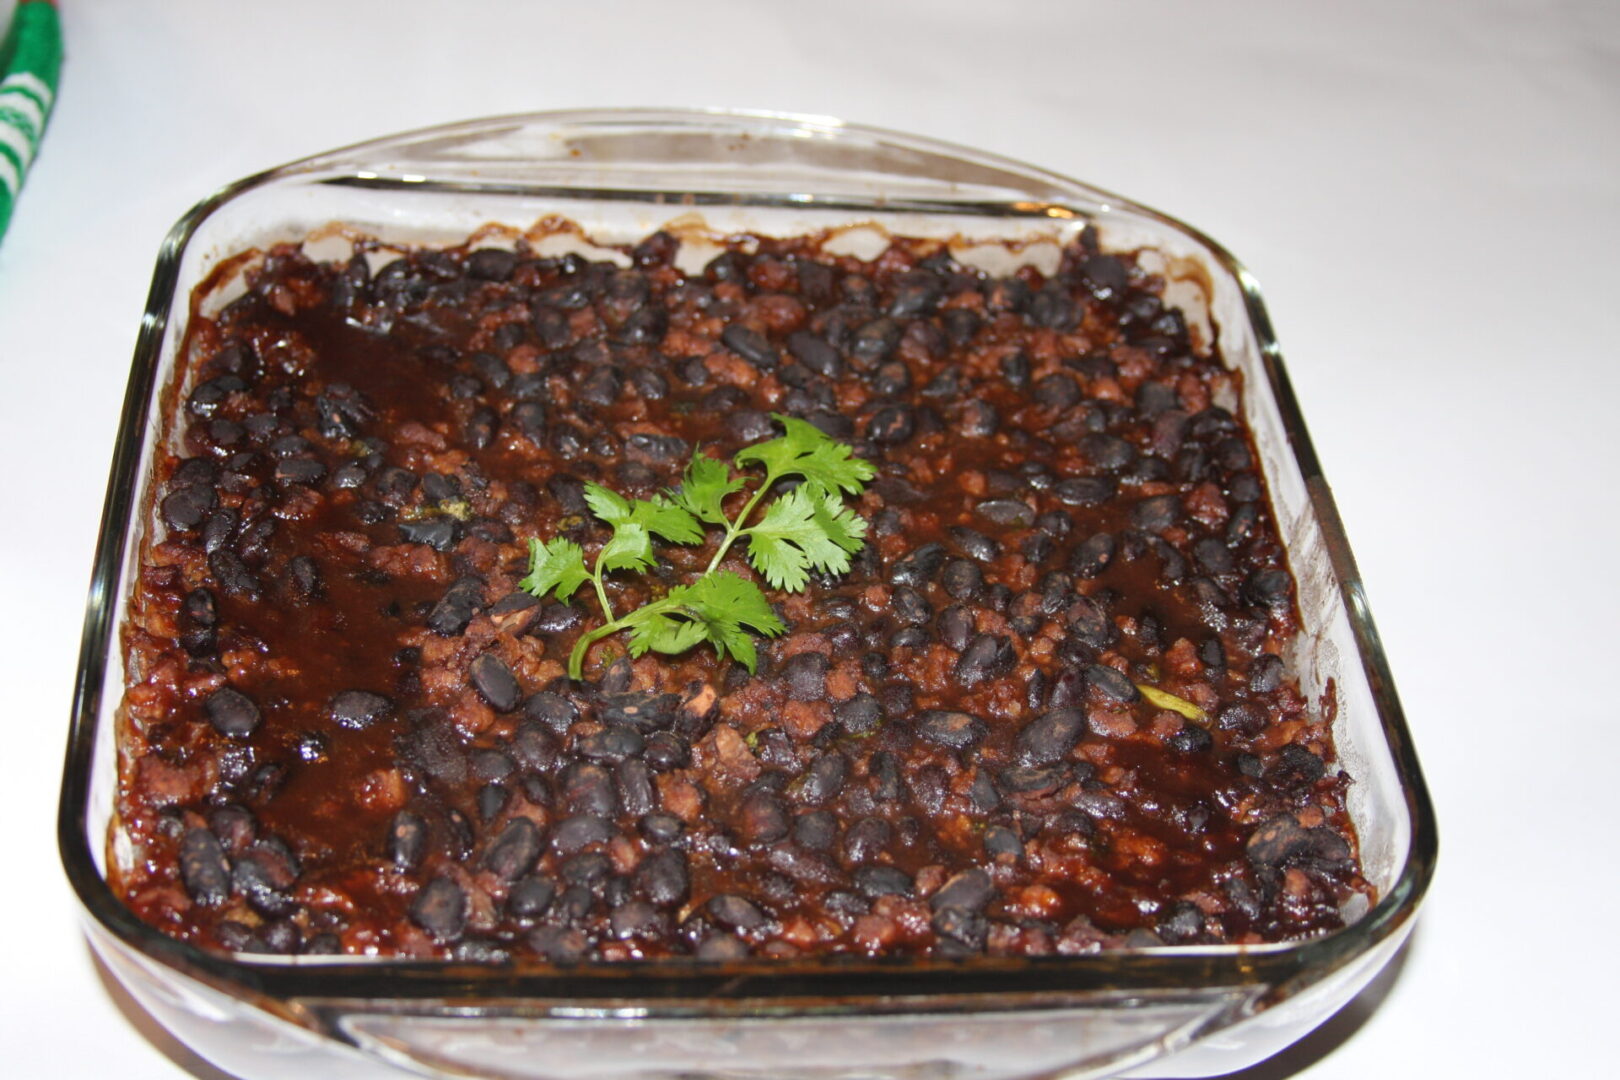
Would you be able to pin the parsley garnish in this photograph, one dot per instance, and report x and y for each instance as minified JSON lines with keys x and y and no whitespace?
{"x":807,"y":528}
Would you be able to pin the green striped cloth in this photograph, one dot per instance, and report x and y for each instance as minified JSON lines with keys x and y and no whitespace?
{"x":30,"y":60}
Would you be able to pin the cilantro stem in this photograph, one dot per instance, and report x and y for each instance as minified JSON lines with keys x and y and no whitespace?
{"x":601,"y":594}
{"x":734,"y":529}
{"x":808,"y":529}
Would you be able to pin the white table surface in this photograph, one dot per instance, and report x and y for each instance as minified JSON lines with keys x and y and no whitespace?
{"x":1428,"y":193}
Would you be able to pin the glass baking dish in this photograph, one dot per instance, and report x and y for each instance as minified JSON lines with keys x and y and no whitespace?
{"x":621,"y":174}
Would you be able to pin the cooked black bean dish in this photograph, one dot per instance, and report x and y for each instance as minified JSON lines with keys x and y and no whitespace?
{"x":1046,"y":710}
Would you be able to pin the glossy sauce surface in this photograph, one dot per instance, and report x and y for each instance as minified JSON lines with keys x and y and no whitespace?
{"x":350,"y":731}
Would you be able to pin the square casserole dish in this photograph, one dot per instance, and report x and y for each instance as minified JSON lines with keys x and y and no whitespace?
{"x":1178,"y":1011}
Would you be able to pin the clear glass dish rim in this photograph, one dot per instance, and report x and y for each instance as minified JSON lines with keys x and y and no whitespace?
{"x":673,"y":989}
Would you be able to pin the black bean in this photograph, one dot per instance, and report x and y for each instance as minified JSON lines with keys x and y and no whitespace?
{"x":918,"y":568}
{"x":491,"y":800}
{"x":865,"y":840}
{"x":1266,"y":674}
{"x":262,"y":877}
{"x":456,"y":608}
{"x":299,"y":470}
{"x":659,"y":447}
{"x":1278,"y":841}
{"x":234,"y":936}
{"x":514,"y":852}
{"x":806,"y":676}
{"x":635,"y":918}
{"x":762,"y":817}
{"x":1009,"y":512}
{"x":614,"y":743}
{"x":910,"y":606}
{"x":987,"y":656}
{"x":883,"y":776}
{"x":588,"y":869}
{"x":438,"y":533}
{"x":1213,"y":555}
{"x":891,"y":424}
{"x":1093,"y":556}
{"x":440,"y":908}
{"x":735,"y":912}
{"x":188,"y":507}
{"x":304,"y":581}
{"x":860,"y":715}
{"x":1112,"y":683}
{"x":436,"y":748}
{"x":661,"y":828}
{"x":203,"y":867}
{"x":1181,"y":924}
{"x":407,"y":840}
{"x":1051,"y":736}
{"x":877,"y":880}
{"x":1084,"y":490}
{"x":1191,"y":739}
{"x":358,"y":709}
{"x":232,"y":712}
{"x":962,"y":579}
{"x":644,"y":711}
{"x":969,"y":890}
{"x":749,"y":425}
{"x":663,"y":878}
{"x":234,"y":825}
{"x":1156,"y":513}
{"x":974,"y":544}
{"x":956,"y":730}
{"x":816,"y":830}
{"x":956,"y":627}
{"x":232,"y":575}
{"x":1057,"y":391}
{"x":1033,"y":779}
{"x":824,"y":779}
{"x":579,"y":832}
{"x":916,"y":292}
{"x":665,"y":750}
{"x":1015,"y":370}
{"x":553,"y":710}
{"x":891,"y":379}
{"x":495,"y":683}
{"x":634,"y":781}
{"x":1054,"y":309}
{"x":1105,"y":274}
{"x":491,"y":264}
{"x":1002,"y":844}
{"x":815,"y":353}
{"x":751,"y":345}
{"x":1296,"y":769}
{"x":587,"y":788}
{"x":1268,"y":588}
{"x":874,"y":341}
{"x":200,"y":607}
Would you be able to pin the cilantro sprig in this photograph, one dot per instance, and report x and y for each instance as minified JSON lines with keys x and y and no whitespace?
{"x":807,"y":528}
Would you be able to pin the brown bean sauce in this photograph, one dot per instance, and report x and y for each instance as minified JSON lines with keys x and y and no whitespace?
{"x":347,"y":730}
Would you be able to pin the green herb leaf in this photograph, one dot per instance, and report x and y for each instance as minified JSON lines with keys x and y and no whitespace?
{"x":557,"y":565}
{"x":657,"y":515}
{"x":629,"y":548}
{"x":659,"y":632}
{"x":806,"y":528}
{"x":727,"y":606}
{"x":805,"y":451}
{"x":704,"y":488}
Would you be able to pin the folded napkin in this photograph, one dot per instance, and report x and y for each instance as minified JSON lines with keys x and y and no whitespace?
{"x":30,"y":61}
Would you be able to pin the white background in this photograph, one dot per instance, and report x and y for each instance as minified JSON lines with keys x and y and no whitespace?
{"x":1427,"y":193}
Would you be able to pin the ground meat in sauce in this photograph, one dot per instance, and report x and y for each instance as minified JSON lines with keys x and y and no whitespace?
{"x":349,"y":731}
